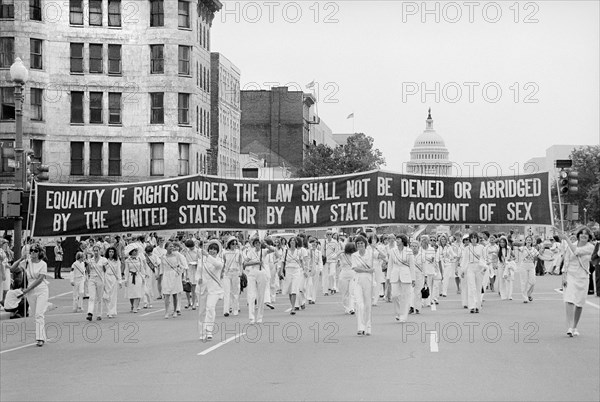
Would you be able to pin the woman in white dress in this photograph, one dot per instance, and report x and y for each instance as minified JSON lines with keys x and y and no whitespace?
{"x":401,"y":268}
{"x":36,"y":272}
{"x":381,"y":256}
{"x":446,"y":257}
{"x":362,"y":263}
{"x":346,"y":281}
{"x":78,"y":281}
{"x":135,"y":278}
{"x":96,"y":269}
{"x":417,"y":298}
{"x":208,"y":280}
{"x":473,"y":264}
{"x":112,"y":281}
{"x":315,"y":265}
{"x":426,"y":259}
{"x":152,"y":262}
{"x":192,"y":255}
{"x":576,"y":276}
{"x":171,"y":268}
{"x":505,"y":269}
{"x":232,"y":258}
{"x":294,"y":267}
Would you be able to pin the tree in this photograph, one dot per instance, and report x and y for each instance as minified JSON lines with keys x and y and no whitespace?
{"x":586,"y":161}
{"x":357,"y":155}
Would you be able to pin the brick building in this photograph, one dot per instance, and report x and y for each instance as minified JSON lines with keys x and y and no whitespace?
{"x":276,"y":125}
{"x":117,"y":91}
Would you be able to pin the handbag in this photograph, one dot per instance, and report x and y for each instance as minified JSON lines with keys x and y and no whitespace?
{"x":187,"y":286}
{"x":425,"y":292}
{"x":243,"y":282}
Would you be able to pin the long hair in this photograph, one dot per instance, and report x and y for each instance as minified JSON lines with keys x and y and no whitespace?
{"x":115,"y":255}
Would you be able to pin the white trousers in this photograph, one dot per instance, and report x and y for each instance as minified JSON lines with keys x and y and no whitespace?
{"x":257,"y":283}
{"x":78,"y":293}
{"x":347,"y":285}
{"x":417,"y":300}
{"x":449,"y":274}
{"x":95,"y":290}
{"x":401,"y":295}
{"x":527,"y":276}
{"x":112,"y":290}
{"x":207,"y":304}
{"x":311,"y":288}
{"x":474,"y":281}
{"x":429,"y":281}
{"x":231,"y":298}
{"x":364,"y":289}
{"x":38,"y":303}
{"x":505,"y":286}
{"x":328,"y":276}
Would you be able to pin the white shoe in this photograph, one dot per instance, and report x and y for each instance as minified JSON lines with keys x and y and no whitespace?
{"x":570,"y":332}
{"x":575,"y":332}
{"x":252,"y":322}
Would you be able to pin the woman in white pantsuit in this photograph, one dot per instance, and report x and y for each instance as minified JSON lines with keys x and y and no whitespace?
{"x":576,"y":276}
{"x":426,"y":259}
{"x":256,"y":272}
{"x":112,"y":281}
{"x":362,"y":264}
{"x":96,"y":268}
{"x":473,"y":265}
{"x":314,"y":261}
{"x":232,"y":258}
{"x":37,"y":291}
{"x":525,"y":257}
{"x":417,"y":298}
{"x":78,"y":281}
{"x":446,"y":257}
{"x":346,"y":280}
{"x":210,"y":288}
{"x":505,"y":274}
{"x":401,"y":267}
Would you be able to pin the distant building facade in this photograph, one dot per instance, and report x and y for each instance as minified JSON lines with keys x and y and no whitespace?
{"x":546,"y":163}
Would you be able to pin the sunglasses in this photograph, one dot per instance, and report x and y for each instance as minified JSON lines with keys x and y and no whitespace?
{"x":34,"y":251}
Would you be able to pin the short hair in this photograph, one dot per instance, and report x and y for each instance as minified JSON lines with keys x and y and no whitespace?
{"x":149,"y":249}
{"x":214,"y":246}
{"x":350,"y":248}
{"x":485,"y":232}
{"x":189,"y":243}
{"x":78,"y":255}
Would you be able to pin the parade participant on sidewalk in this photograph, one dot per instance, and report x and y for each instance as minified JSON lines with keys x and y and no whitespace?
{"x":332,"y":250}
{"x":36,"y":290}
{"x":96,"y":269}
{"x":401,"y":266}
{"x":292,"y":270}
{"x":257,"y":279}
{"x":170,"y":272}
{"x":210,"y":288}
{"x":232,"y":258}
{"x":417,"y":298}
{"x":192,"y":255}
{"x":78,"y":281}
{"x":112,"y":281}
{"x":315,"y":265}
{"x":426,"y":259}
{"x":576,"y":277}
{"x":473,"y":265}
{"x":58,"y":258}
{"x":362,"y":264}
{"x":135,"y":277}
{"x":505,"y":274}
{"x":525,"y":257}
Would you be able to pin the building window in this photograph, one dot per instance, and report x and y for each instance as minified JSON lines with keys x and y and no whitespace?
{"x":96,"y":107}
{"x":77,"y":57}
{"x":35,"y":50}
{"x":7,"y":9}
{"x":184,"y":60}
{"x":184,"y":159}
{"x":35,"y":10}
{"x":36,"y":95}
{"x":96,"y":158}
{"x":157,"y":59}
{"x":114,"y":13}
{"x":96,"y":12}
{"x":7,"y":110}
{"x":7,"y":52}
{"x":114,"y":59}
{"x":114,"y":108}
{"x":114,"y":159}
{"x":77,"y":159}
{"x":76,"y":12}
{"x":157,"y":159}
{"x":76,"y":107}
{"x":157,"y":13}
{"x":95,"y":58}
{"x":183,"y":106}
{"x":184,"y":14}
{"x":158,"y":111}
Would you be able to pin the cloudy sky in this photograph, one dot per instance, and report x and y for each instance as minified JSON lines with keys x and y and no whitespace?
{"x":505,"y":80}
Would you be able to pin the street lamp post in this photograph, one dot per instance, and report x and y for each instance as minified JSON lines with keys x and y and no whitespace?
{"x":19,"y":75}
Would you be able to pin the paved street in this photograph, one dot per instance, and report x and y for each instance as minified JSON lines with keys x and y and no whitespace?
{"x":510,"y":351}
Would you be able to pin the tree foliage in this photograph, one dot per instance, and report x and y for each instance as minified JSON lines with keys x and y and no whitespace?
{"x":586,"y":161}
{"x":357,"y":155}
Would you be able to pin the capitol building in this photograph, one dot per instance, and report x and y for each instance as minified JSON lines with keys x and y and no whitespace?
{"x":429,"y":155}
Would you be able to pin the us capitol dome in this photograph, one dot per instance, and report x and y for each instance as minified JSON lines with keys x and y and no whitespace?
{"x":429,"y":155}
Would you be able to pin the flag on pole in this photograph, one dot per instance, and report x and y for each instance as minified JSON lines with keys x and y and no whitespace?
{"x":310,"y":85}
{"x":350,"y":116}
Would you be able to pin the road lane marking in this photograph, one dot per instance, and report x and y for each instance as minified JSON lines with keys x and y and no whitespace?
{"x":433,"y":341}
{"x":60,"y":295}
{"x":586,"y":302}
{"x":218,"y":345}
{"x":152,"y":312}
{"x":17,"y":348}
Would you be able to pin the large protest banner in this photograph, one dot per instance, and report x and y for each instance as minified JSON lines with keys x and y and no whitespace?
{"x":208,"y":202}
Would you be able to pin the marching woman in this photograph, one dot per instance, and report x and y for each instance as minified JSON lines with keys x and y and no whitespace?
{"x":492,"y":260}
{"x":381,"y":256}
{"x":36,"y":271}
{"x":401,"y":266}
{"x":192,"y":255}
{"x":78,"y":281}
{"x":170,"y":272}
{"x":293,"y":269}
{"x":576,"y":276}
{"x":112,"y":281}
{"x":417,"y":299}
{"x":58,"y":258}
{"x":315,"y":265}
{"x":346,"y":280}
{"x":362,"y":264}
{"x":210,"y":288}
{"x":525,"y":257}
{"x":446,"y":258}
{"x":473,"y":265}
{"x":426,"y":259}
{"x":135,"y":277}
{"x":152,"y":262}
{"x":332,"y":250}
{"x":232,"y":259}
{"x":505,"y":269}
{"x":96,"y":268}
{"x":257,"y":279}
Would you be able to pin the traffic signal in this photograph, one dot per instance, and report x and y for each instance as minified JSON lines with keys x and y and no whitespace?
{"x":39,"y":171}
{"x":11,"y":203}
{"x":572,"y":212}
{"x":567,"y":181}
